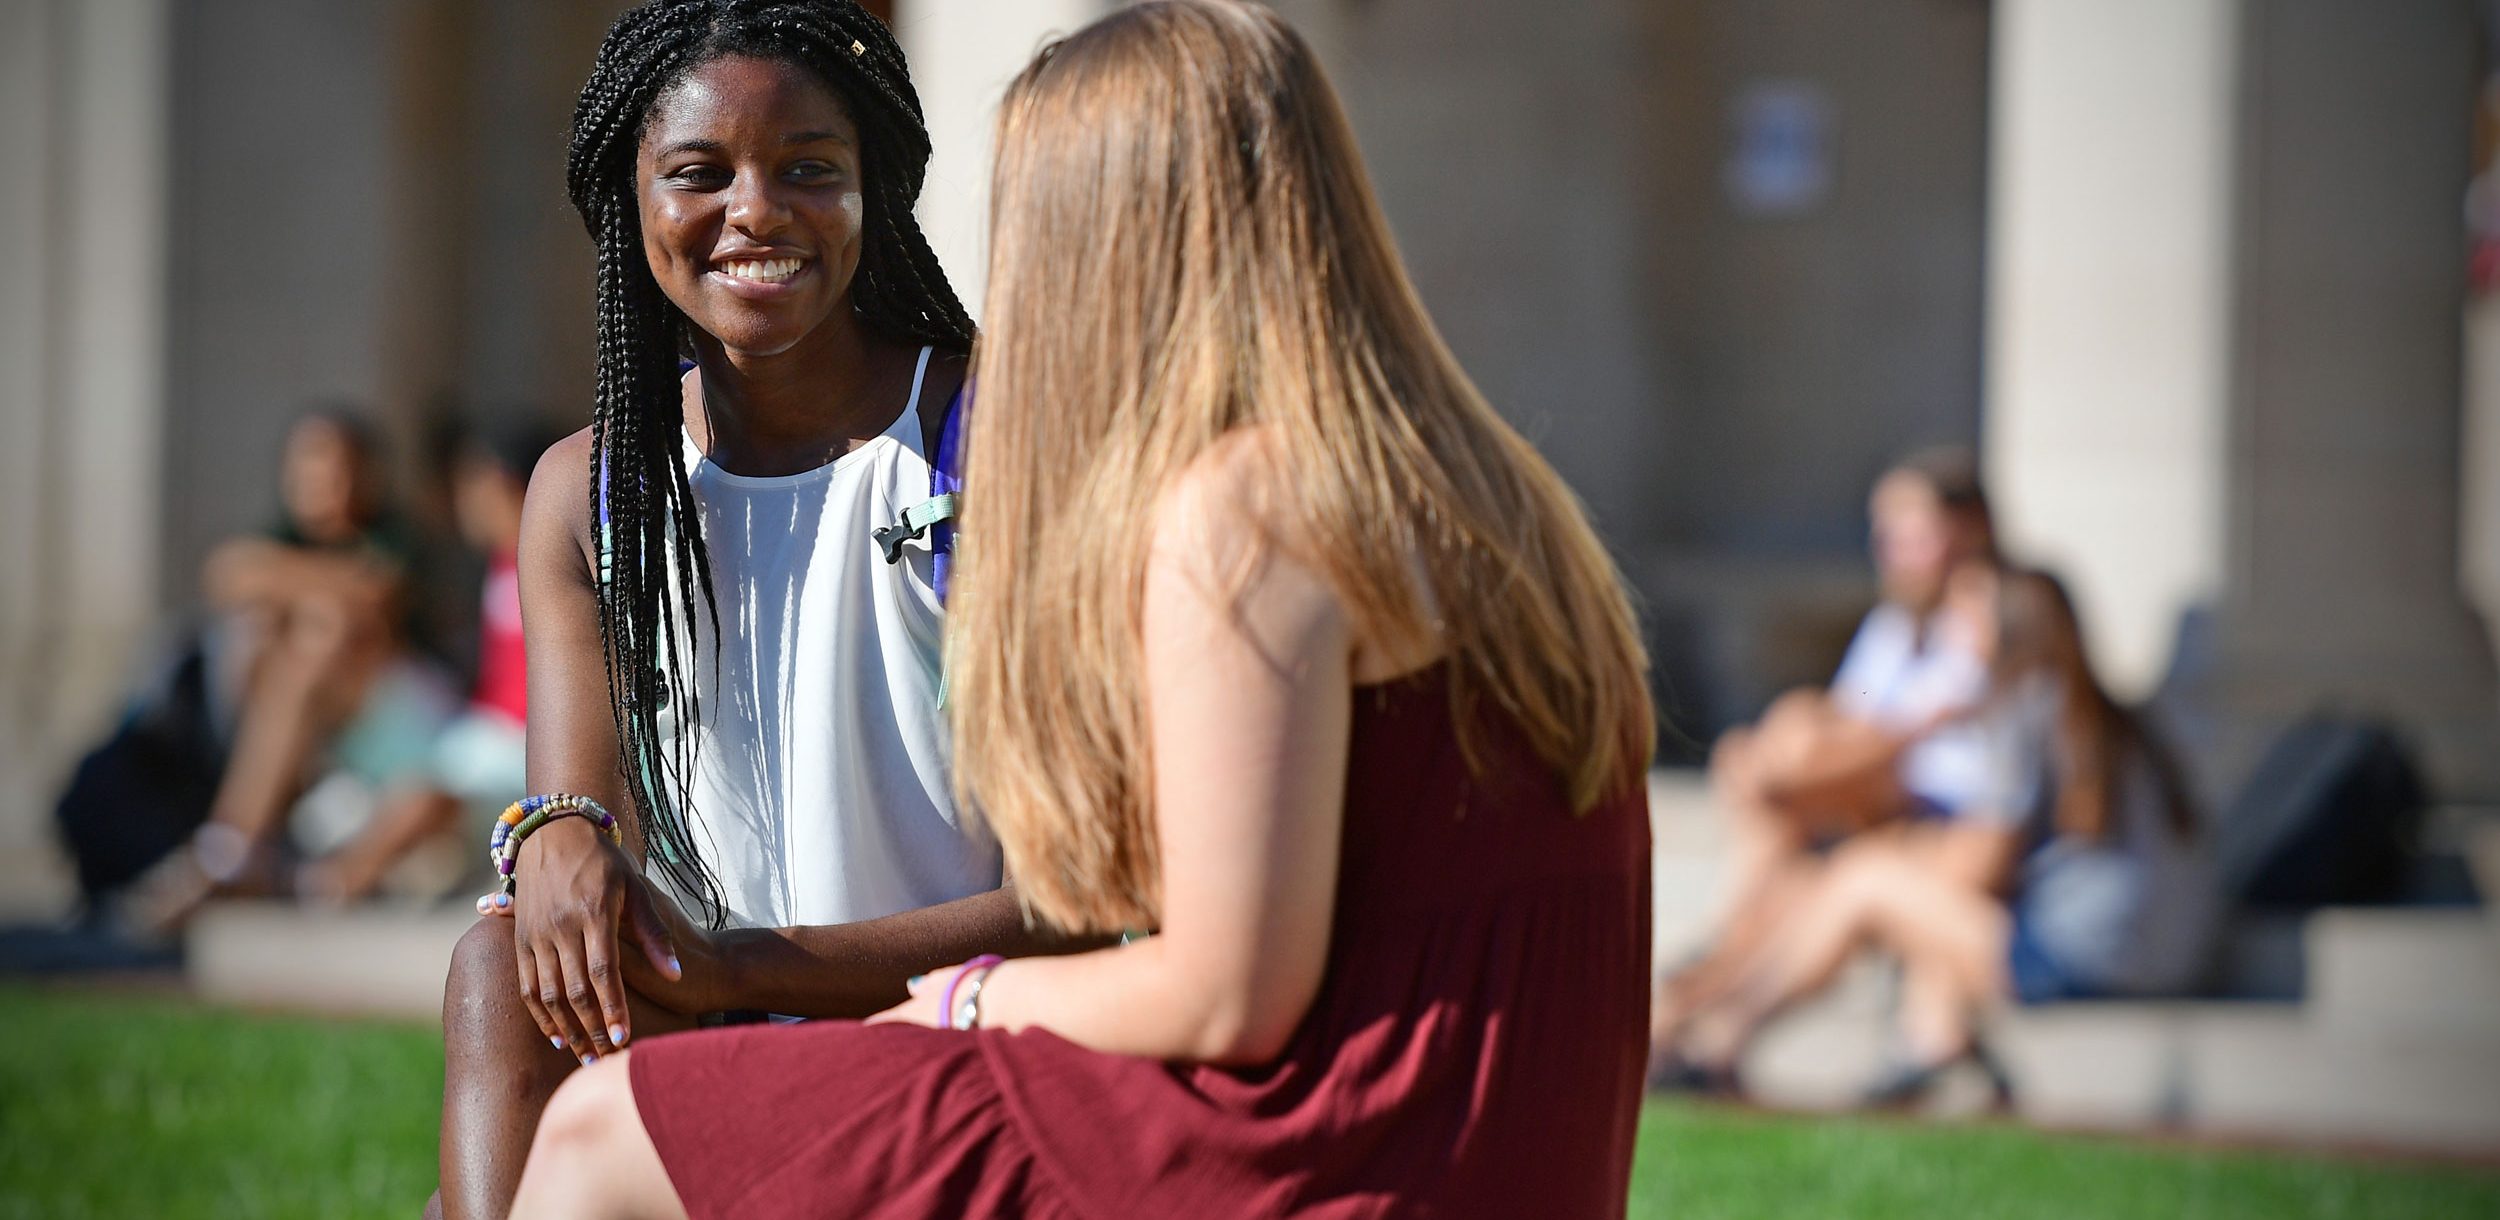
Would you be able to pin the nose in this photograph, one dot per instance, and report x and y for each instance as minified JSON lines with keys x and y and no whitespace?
{"x":756,"y":206}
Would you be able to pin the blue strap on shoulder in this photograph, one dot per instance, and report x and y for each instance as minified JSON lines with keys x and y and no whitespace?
{"x":946,"y":482}
{"x":935,"y":516}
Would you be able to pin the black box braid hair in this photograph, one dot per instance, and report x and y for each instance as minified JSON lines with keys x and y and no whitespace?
{"x":639,"y":494}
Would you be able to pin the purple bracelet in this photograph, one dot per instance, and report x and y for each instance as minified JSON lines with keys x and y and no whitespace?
{"x":946,"y":1003}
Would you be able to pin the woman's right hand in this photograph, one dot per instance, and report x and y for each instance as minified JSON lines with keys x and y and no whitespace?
{"x":571,"y":911}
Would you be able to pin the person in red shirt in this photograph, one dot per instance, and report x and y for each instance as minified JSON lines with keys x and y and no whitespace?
{"x":476,"y":763}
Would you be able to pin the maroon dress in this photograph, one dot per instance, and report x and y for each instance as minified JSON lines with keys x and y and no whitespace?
{"x":1475,"y":1049}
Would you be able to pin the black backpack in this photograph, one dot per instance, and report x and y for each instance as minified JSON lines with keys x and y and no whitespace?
{"x":138,"y":796}
{"x":2331,"y":816}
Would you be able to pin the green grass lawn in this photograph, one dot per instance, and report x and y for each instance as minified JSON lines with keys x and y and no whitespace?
{"x":114,"y":1106}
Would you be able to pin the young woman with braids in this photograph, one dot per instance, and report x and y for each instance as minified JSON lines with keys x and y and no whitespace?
{"x":1278,"y":642}
{"x":719,"y":651}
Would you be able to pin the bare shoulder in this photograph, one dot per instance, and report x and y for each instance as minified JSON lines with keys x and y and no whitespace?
{"x":1228,"y":522}
{"x":1215,"y":549}
{"x":558,"y":504}
{"x":1229,"y":501}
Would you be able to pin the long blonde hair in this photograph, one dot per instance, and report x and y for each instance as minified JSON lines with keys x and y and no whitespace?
{"x":1184,"y":243}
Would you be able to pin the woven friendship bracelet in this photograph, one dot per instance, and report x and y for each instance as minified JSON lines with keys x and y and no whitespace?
{"x":523,"y":817}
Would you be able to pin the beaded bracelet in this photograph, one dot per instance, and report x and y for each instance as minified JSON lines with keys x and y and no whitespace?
{"x":951,"y":1017}
{"x":523,"y":818}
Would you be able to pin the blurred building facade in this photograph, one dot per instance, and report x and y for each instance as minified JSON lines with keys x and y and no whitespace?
{"x":2190,"y":272}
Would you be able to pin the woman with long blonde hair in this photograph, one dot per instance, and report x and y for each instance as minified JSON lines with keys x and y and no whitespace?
{"x":1274,"y":646}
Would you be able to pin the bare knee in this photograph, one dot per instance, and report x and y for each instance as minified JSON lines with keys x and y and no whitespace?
{"x":1731,"y":756}
{"x":1804,"y":706}
{"x":481,"y":993}
{"x":1863,"y":874}
{"x":484,"y":955}
{"x":583,"y":1117}
{"x":589,"y":1129}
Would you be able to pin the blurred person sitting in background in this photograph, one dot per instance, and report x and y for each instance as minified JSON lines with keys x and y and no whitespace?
{"x":2100,"y":889}
{"x":1871,"y":750}
{"x":476,"y":763}
{"x":309,"y":638}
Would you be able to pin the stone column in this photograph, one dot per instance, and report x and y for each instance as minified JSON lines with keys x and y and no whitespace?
{"x":2344,"y":446}
{"x":2109,"y":306}
{"x":963,"y":53}
{"x":83,"y":119}
{"x":2227,"y":266}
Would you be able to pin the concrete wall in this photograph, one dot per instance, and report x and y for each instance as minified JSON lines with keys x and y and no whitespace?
{"x":1505,"y":154}
{"x":1804,"y":346}
{"x":2343,"y":510}
{"x":281,"y":249}
{"x":2113,"y":154}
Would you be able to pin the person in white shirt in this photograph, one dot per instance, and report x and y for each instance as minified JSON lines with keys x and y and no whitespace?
{"x":1879,"y":747}
{"x":2078,"y":872}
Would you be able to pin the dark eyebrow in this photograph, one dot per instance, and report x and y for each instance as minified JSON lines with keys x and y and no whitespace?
{"x":810,"y":137}
{"x":687,"y":146}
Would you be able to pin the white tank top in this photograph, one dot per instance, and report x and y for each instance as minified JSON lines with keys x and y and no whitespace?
{"x":821,"y":789}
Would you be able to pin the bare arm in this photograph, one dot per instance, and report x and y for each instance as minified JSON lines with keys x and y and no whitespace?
{"x":572,"y":733}
{"x":1842,"y":759}
{"x":262,"y":571}
{"x":580,"y":900}
{"x":1250,"y":714}
{"x":840,"y":970}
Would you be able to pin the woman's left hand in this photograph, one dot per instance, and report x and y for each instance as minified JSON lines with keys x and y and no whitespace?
{"x":928,"y":992}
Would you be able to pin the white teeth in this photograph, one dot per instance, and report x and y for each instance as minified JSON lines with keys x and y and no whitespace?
{"x":763,"y":270}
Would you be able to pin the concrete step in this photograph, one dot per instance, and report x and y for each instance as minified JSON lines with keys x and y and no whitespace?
{"x":2371,"y":968}
{"x":1688,"y":865}
{"x":2281,"y":1075}
{"x":2482,"y":853}
{"x":371,"y":961}
{"x":2096,"y":1065}
{"x":2239,"y":1070}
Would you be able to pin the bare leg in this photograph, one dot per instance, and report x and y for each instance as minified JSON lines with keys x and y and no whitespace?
{"x":297,"y":694}
{"x":1954,"y":961}
{"x":1764,"y":839}
{"x":1771,"y":835}
{"x":282,"y":717}
{"x":354,"y":871}
{"x":498,"y":1074}
{"x":1768,"y":867}
{"x":1821,"y":934}
{"x":592,"y":1156}
{"x":1879,"y":893}
{"x":1705,"y":983}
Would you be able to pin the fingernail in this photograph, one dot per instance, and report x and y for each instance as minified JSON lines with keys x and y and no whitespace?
{"x":557,"y":1042}
{"x":483,"y":904}
{"x":913,"y":983}
{"x":673,"y":967}
{"x":616,"y":1034}
{"x":587,"y":1060}
{"x":503,"y":900}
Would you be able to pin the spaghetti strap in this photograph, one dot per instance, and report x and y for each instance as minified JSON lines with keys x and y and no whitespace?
{"x":919,"y":372}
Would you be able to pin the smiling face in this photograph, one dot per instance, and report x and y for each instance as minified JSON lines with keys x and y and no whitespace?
{"x":749,"y":183}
